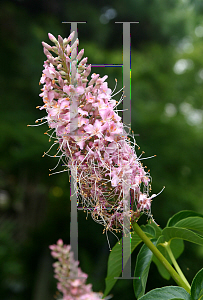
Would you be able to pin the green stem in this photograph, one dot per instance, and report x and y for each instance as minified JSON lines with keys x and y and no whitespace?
{"x":170,"y":253}
{"x":161,"y":258}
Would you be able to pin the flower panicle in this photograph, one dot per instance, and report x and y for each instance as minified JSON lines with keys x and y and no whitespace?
{"x":92,"y":140}
{"x":74,"y":286}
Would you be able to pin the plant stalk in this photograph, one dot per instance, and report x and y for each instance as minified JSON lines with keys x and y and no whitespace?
{"x":161,"y":258}
{"x":170,"y":253}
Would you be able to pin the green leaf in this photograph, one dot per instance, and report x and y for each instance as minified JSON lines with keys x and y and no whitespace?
{"x":148,"y":229}
{"x":143,"y":262}
{"x":162,"y":270}
{"x":170,"y":233}
{"x":115,"y":261}
{"x":157,"y":229}
{"x":167,"y":293}
{"x":182,"y":215}
{"x":194,"y":223}
{"x":197,"y":286}
{"x":179,"y":227}
{"x":177,"y":247}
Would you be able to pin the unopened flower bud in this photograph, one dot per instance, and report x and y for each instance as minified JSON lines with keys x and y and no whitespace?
{"x":52,"y":38}
{"x":73,"y":54}
{"x":65,"y":42}
{"x":55,"y":49}
{"x":68,"y":49}
{"x":81,"y":68}
{"x":68,"y":60}
{"x":61,"y":82}
{"x":60,"y":51}
{"x":93,"y":80}
{"x":51,"y":59}
{"x":80,"y":71}
{"x":59,"y":66}
{"x":60,"y":40}
{"x":75,"y":44}
{"x":57,"y":58}
{"x":47,"y":46}
{"x":60,"y":242}
{"x":84,"y":61}
{"x":80,"y":54}
{"x":71,"y":36}
{"x":46,"y":52}
{"x":62,"y":73}
{"x":87,"y":71}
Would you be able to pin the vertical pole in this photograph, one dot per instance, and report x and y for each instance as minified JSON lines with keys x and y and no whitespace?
{"x":73,"y":196}
{"x":126,"y":240}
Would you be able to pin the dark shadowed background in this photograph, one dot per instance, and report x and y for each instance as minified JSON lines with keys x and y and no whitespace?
{"x":167,"y":113}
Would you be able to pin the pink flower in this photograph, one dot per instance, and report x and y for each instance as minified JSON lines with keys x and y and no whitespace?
{"x":97,"y":129}
{"x":71,"y":90}
{"x":72,"y":289}
{"x":91,"y":136}
{"x":144,"y":202}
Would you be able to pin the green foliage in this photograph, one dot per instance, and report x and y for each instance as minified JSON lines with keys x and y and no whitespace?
{"x":180,"y":227}
{"x":175,"y":236}
{"x":177,"y":247}
{"x":167,"y":293}
{"x":181,"y":216}
{"x":180,"y":233}
{"x":197,"y":286}
{"x":142,"y":267}
{"x":115,"y":261}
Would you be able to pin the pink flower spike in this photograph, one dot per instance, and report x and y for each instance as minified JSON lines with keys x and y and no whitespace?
{"x":91,"y":140}
{"x":71,"y":289}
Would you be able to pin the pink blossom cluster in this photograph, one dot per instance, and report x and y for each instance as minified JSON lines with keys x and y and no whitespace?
{"x":71,"y":280}
{"x":92,"y":141}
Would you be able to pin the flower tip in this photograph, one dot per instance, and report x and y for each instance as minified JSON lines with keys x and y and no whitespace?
{"x":60,"y":40}
{"x":71,"y":36}
{"x":60,"y":242}
{"x":52,"y":38}
{"x":47,"y":46}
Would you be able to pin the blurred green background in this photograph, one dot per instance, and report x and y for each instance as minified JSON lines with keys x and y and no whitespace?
{"x":167,"y":113}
